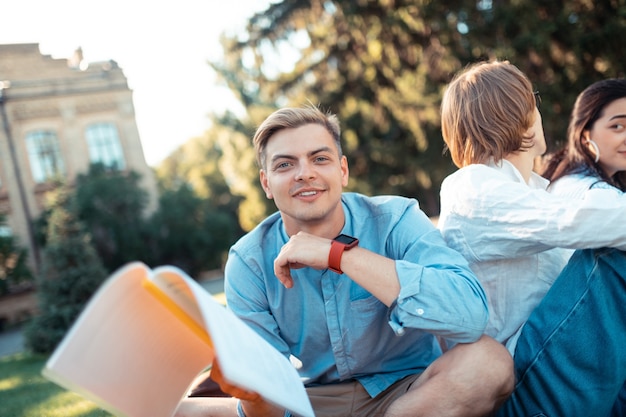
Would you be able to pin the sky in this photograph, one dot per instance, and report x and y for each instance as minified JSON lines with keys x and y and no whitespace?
{"x":162,"y":46}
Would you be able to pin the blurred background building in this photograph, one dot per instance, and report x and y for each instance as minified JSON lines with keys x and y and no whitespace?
{"x":58,"y":116}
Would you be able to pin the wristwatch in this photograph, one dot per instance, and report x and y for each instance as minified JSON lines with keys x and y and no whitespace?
{"x":337,"y":246}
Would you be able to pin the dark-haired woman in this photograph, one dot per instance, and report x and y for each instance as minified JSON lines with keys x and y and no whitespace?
{"x":595,"y":154}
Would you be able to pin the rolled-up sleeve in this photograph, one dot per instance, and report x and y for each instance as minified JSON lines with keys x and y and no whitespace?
{"x":438,"y":291}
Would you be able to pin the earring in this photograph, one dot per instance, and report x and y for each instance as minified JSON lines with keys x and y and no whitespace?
{"x":596,"y":150}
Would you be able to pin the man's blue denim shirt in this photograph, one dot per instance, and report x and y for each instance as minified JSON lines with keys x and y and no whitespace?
{"x":338,"y":330}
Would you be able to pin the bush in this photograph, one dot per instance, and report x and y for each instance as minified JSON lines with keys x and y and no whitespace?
{"x":13,"y":267}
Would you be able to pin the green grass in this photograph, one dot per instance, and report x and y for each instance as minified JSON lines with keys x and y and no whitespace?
{"x":24,"y":392}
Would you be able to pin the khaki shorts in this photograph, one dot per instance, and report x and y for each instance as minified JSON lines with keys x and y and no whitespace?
{"x":349,"y":399}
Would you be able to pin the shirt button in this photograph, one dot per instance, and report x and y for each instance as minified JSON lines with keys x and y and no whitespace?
{"x":420,"y":311}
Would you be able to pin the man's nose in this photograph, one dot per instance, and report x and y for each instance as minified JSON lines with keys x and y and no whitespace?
{"x":305,"y":172}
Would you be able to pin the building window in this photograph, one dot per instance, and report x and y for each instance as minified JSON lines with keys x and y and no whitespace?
{"x":104,"y":146}
{"x":44,"y":155}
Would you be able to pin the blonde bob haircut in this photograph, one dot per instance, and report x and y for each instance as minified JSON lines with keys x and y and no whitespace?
{"x":291,"y":118}
{"x":486,"y":112}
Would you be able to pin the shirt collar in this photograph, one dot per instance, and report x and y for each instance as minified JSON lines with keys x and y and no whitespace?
{"x":508,"y":169}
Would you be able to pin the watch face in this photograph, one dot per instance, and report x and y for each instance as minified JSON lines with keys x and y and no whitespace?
{"x":345,"y":239}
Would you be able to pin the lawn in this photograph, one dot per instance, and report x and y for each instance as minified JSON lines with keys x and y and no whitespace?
{"x":24,"y":392}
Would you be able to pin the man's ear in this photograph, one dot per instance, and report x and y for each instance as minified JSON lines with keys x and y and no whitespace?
{"x":345,"y":172}
{"x":265,"y":184}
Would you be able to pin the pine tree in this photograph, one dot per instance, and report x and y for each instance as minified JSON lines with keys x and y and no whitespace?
{"x":71,"y":273}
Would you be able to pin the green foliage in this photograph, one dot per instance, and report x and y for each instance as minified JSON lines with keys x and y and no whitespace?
{"x":112,"y":205}
{"x":217,"y":167}
{"x":25,"y":393}
{"x":191,"y":233}
{"x":382,"y":66}
{"x":14,"y":269}
{"x":197,"y":218}
{"x":70,"y":274}
{"x":562,"y":45}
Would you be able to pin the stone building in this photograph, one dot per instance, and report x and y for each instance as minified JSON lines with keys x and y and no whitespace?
{"x":57,"y":116}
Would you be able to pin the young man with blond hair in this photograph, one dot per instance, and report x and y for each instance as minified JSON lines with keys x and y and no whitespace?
{"x":358,"y":289}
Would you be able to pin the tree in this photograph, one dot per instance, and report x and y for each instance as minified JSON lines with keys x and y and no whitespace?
{"x":190,"y":233}
{"x":196,"y":222}
{"x":71,"y":273}
{"x":382,"y":66}
{"x":562,"y":45}
{"x":112,"y":205}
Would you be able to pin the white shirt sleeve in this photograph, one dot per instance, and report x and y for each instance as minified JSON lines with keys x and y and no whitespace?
{"x":493,"y":204}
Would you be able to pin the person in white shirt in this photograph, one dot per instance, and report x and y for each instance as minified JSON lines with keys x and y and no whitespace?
{"x":562,"y":318}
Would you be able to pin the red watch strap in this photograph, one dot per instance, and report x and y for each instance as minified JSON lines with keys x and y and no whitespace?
{"x":334,"y":256}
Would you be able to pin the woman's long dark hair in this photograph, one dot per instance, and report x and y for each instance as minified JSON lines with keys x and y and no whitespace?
{"x":575,"y":157}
